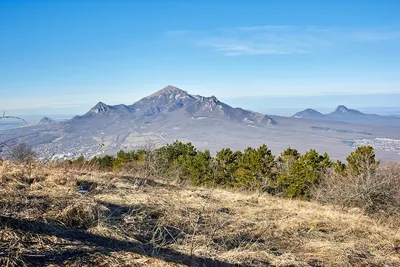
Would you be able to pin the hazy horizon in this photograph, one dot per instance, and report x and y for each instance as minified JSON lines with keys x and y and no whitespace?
{"x":381,"y":104}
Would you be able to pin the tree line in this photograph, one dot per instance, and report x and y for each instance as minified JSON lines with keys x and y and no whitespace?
{"x":361,"y":181}
{"x":291,"y":174}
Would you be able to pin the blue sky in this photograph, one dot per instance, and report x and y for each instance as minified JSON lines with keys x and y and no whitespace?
{"x":62,"y":57}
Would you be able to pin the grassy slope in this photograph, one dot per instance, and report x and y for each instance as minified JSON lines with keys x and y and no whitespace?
{"x":130,"y":221}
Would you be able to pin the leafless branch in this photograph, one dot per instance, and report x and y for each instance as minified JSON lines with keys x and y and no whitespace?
{"x":4,"y":116}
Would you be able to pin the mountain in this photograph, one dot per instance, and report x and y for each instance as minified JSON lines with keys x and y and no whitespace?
{"x":46,"y":120}
{"x":309,"y":114}
{"x":169,"y":99}
{"x":344,"y":114}
{"x":340,"y":113}
{"x":174,"y":102}
{"x":101,"y":108}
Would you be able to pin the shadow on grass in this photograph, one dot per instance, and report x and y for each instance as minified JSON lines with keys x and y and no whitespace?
{"x":92,"y":243}
{"x":145,"y":182}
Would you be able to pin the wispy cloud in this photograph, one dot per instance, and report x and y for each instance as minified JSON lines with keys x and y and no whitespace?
{"x":376,"y":35}
{"x":265,"y":27}
{"x":251,"y":49}
{"x":279,"y":39}
{"x":176,"y":33}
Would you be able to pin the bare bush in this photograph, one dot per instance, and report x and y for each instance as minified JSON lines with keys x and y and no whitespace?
{"x":6,"y":143}
{"x":21,"y":153}
{"x":4,"y":116}
{"x":151,"y":163}
{"x":375,"y":193}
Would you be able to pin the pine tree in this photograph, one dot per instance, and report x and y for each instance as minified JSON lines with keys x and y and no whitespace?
{"x":362,"y":161}
{"x":303,"y":173}
{"x":226,"y":166}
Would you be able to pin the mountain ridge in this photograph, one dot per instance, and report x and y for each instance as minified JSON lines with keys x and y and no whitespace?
{"x":344,"y":114}
{"x":172,"y":99}
{"x":341,"y":109}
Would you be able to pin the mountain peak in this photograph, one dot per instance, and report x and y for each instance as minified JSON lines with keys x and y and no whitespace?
{"x":308,"y":113}
{"x":341,"y":109}
{"x":46,"y":120}
{"x":167,"y":99}
{"x":100,"y":108}
{"x":172,"y":99}
{"x":342,"y":112}
{"x":100,"y":104}
{"x":170,"y":89}
{"x":213,"y":99}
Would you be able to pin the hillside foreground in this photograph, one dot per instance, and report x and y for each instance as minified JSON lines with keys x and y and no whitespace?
{"x":55,"y":216}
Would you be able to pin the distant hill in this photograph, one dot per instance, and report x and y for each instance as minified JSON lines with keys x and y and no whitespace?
{"x":309,"y":114}
{"x":46,"y":120}
{"x":344,"y":114}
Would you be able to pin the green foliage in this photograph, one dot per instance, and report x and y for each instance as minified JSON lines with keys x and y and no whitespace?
{"x":197,"y":168}
{"x":79,"y":160}
{"x":124,"y":158}
{"x":287,"y":159}
{"x":192,"y":165}
{"x":300,"y":172}
{"x":104,"y":163}
{"x":171,"y":152}
{"x":141,"y":155}
{"x":285,"y":163}
{"x":226,"y":165}
{"x":291,"y":174}
{"x":362,"y":161}
{"x":339,"y":168}
{"x":255,"y":168}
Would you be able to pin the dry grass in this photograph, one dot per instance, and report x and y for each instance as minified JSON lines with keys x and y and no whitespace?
{"x":377,"y":192}
{"x":127,"y":221}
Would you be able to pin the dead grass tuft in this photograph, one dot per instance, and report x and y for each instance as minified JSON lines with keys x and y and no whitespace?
{"x":82,"y":214}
